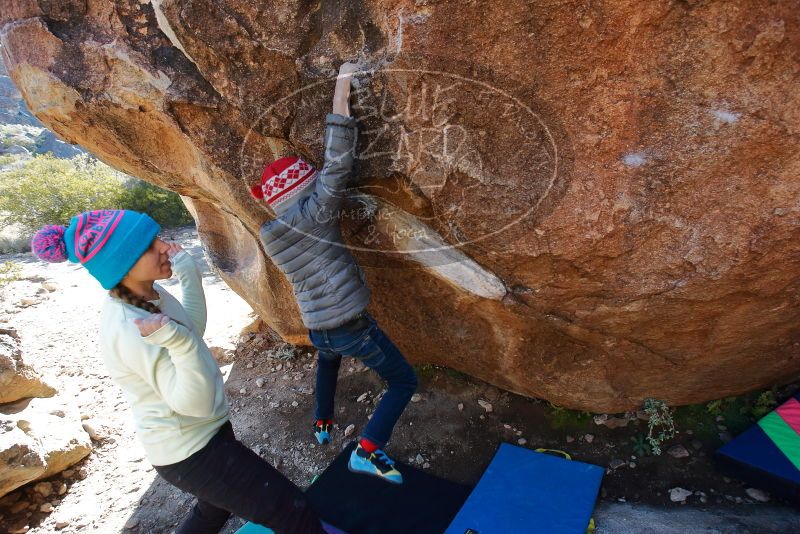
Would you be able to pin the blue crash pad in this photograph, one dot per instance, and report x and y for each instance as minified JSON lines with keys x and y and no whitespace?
{"x":531,"y":492}
{"x":753,"y":457}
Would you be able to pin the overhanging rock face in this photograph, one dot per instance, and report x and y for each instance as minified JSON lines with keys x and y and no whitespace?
{"x":589,"y":203}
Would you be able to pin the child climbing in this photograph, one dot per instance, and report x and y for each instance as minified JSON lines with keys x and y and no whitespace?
{"x":304,"y":240}
{"x":153,"y":348}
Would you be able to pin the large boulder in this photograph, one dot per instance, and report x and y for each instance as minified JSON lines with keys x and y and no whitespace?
{"x":39,"y":441}
{"x":20,"y":459}
{"x":17,"y":380}
{"x":592,"y":203}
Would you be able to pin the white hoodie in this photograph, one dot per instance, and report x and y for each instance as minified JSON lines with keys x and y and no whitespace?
{"x":170,"y":379}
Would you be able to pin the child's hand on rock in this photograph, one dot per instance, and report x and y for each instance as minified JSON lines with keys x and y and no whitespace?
{"x":347,"y":69}
{"x":151,"y":323}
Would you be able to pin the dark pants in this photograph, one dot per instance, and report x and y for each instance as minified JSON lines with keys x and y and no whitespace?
{"x":363,"y":340}
{"x":228,"y":478}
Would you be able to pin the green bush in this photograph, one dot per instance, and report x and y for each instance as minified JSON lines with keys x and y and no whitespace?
{"x":164,"y":206}
{"x":764,"y":403}
{"x":8,"y":159}
{"x":641,"y":446}
{"x":565,"y":419}
{"x":9,"y":272}
{"x":660,"y":424}
{"x":741,"y":411}
{"x":48,"y":190}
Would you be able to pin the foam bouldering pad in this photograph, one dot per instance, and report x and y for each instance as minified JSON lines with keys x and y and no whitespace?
{"x":252,"y":528}
{"x":533,"y":492}
{"x":362,"y":504}
{"x":767,"y":455}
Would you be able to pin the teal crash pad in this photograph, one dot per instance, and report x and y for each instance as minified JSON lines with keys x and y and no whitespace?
{"x":252,"y":528}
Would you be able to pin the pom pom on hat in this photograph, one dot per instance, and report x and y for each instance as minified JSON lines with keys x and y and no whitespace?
{"x":257,"y":192}
{"x":48,"y":244}
{"x":107,"y":242}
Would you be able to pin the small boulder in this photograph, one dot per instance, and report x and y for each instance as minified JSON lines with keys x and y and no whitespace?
{"x":678,"y":451}
{"x":616,"y":463}
{"x":757,"y":494}
{"x":45,"y":489}
{"x":679,"y":494}
{"x":36,"y":444}
{"x":18,"y":380}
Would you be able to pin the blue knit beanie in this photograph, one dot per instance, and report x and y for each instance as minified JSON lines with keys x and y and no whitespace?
{"x":107,"y":242}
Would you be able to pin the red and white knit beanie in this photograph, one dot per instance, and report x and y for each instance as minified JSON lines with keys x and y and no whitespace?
{"x":283,"y":179}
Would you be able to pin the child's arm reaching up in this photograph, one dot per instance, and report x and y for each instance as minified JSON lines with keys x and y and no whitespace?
{"x":340,"y":143}
{"x":341,"y":94}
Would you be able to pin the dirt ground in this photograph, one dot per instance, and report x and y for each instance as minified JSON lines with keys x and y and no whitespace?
{"x":445,"y":428}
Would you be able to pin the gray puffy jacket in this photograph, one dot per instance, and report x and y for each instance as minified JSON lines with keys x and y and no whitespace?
{"x":305,"y":241}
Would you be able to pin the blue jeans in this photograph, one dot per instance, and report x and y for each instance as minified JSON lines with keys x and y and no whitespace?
{"x":363,"y":340}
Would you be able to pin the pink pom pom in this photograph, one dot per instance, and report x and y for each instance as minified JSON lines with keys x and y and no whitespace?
{"x":48,"y":244}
